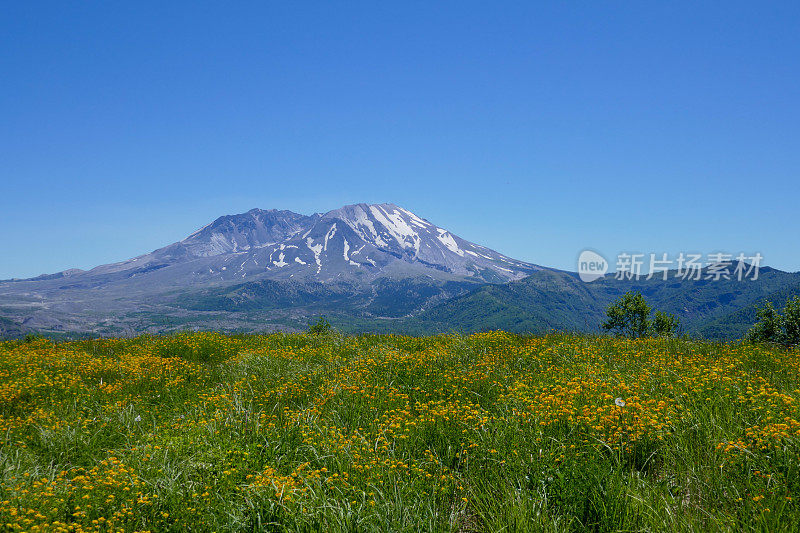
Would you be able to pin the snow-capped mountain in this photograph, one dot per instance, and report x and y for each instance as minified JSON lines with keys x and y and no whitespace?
{"x":229,"y":234}
{"x":377,"y":260}
{"x":360,"y":242}
{"x":237,"y":233}
{"x":371,"y":267}
{"x":366,"y":239}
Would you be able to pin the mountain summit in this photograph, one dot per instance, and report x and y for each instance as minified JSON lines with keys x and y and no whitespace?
{"x":372,"y":240}
{"x":359,"y":241}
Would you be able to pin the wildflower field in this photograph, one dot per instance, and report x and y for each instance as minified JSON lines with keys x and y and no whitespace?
{"x":488,"y":432}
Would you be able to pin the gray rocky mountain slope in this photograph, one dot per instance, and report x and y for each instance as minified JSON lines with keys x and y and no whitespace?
{"x":361,"y":248}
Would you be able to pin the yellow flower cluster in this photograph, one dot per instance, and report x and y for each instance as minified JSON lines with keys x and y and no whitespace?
{"x":207,"y":431}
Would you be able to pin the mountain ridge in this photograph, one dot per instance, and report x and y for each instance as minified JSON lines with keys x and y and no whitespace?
{"x":369,"y":267}
{"x":385,"y":230}
{"x":353,"y":248}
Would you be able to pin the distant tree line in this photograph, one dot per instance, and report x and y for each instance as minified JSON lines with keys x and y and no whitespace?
{"x":631,"y":316}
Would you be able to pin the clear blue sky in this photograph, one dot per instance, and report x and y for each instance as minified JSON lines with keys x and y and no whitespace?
{"x":537,"y":129}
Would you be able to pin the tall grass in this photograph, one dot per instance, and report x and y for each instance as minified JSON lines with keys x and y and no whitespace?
{"x":489,"y":432}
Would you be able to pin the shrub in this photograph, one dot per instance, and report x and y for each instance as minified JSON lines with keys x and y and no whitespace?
{"x":321,"y":327}
{"x":791,"y":322}
{"x":775,"y":328}
{"x":665,"y":324}
{"x":629,"y":316}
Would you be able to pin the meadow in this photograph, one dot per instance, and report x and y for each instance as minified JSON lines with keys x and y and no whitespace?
{"x":487,"y":432}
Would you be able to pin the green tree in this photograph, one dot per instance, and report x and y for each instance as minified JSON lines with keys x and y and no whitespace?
{"x":776,"y":328}
{"x":769,"y":327}
{"x":791,"y":322}
{"x":321,"y":327}
{"x":665,"y":324}
{"x":629,"y":316}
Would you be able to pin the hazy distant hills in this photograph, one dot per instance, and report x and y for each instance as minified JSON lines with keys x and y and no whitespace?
{"x":368,"y":268}
{"x":721,"y":309}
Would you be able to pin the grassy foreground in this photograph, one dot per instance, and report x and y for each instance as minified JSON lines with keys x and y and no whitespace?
{"x":489,"y":432}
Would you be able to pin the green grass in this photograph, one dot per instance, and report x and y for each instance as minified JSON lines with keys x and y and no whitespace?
{"x":490,"y":432}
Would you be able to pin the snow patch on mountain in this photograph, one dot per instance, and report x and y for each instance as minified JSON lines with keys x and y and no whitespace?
{"x":280,"y":262}
{"x":317,"y":250}
{"x":419,"y":222}
{"x":328,"y":236}
{"x":345,"y":252}
{"x":397,"y":227}
{"x":448,"y":240}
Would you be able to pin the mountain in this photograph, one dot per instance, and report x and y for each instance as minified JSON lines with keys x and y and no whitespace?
{"x":715,"y":309}
{"x":735,"y":323}
{"x":377,"y":268}
{"x":369,"y":260}
{"x":355,"y":241}
{"x":227,"y":236}
{"x":10,"y":329}
{"x":379,"y":240}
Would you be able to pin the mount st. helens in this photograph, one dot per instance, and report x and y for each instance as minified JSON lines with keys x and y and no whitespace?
{"x":379,"y":240}
{"x":355,"y":241}
{"x":371,"y":260}
{"x":378,"y":268}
